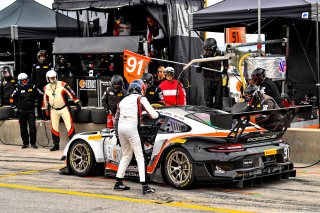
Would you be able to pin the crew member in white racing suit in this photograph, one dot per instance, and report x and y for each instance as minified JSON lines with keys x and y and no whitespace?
{"x":55,"y":99}
{"x":127,"y":128}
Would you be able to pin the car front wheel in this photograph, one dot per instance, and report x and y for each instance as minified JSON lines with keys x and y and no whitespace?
{"x":179,"y":169}
{"x":81,"y":158}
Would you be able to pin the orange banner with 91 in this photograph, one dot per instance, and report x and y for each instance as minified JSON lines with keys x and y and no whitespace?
{"x":134,"y":65}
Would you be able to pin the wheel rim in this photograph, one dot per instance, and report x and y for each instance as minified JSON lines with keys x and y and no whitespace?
{"x":179,"y":167}
{"x":80,"y":157}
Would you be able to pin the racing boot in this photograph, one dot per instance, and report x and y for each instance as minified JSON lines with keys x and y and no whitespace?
{"x":146,"y":189}
{"x":55,"y":147}
{"x":119,"y":186}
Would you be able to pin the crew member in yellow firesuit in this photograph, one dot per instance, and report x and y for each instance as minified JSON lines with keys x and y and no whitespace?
{"x":55,"y":100}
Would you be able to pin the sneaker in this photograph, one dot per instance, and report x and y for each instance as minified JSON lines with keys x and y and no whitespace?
{"x":120,"y":187}
{"x":24,"y":146}
{"x":54,"y":148}
{"x":146,"y":189}
{"x":34,"y":146}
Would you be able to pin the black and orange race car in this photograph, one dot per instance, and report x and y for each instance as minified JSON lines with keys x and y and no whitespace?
{"x":192,"y":144}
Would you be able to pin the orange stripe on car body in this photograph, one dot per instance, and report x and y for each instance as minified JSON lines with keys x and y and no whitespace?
{"x":150,"y":169}
{"x":111,"y":166}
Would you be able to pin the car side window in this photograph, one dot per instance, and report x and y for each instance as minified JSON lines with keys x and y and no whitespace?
{"x":171,"y":125}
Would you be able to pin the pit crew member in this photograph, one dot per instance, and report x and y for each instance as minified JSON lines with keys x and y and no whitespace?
{"x":55,"y":100}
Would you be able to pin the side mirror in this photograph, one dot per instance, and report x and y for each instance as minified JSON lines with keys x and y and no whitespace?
{"x":105,"y":132}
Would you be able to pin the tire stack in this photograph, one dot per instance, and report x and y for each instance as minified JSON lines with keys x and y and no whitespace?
{"x":96,"y":115}
{"x":83,"y":116}
{"x":6,"y":112}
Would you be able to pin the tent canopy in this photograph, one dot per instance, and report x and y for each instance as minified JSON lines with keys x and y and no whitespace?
{"x":100,"y":4}
{"x":244,"y":12}
{"x":34,"y":21}
{"x":278,"y":17}
{"x":95,"y":45}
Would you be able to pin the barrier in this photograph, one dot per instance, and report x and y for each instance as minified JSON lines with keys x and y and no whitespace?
{"x":305,"y":143}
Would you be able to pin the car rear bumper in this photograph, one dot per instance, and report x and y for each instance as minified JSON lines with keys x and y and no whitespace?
{"x":205,"y":173}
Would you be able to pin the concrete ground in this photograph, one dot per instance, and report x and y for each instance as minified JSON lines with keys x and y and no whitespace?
{"x":30,"y":182}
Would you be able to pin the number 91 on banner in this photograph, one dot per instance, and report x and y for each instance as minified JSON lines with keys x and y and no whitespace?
{"x":134,"y":65}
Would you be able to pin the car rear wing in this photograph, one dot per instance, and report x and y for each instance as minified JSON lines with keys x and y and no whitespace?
{"x":238,"y":122}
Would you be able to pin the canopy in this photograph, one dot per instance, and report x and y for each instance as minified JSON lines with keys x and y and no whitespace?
{"x":100,"y":4}
{"x":244,"y":12}
{"x":279,"y":18}
{"x":95,"y":45}
{"x":173,"y":17}
{"x":27,"y":19}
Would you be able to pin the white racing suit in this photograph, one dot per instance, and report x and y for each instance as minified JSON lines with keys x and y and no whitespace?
{"x":128,"y":117}
{"x":56,"y":96}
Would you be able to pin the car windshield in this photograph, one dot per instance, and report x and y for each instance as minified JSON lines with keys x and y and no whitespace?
{"x":210,"y":118}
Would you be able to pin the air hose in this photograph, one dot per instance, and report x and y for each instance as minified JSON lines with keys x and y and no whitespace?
{"x":241,"y":71}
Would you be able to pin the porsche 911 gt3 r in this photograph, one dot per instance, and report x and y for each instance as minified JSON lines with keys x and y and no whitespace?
{"x":191,"y":144}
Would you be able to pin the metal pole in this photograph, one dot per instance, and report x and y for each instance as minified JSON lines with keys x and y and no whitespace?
{"x":179,"y":63}
{"x":259,"y":27}
{"x":317,"y":56}
{"x":78,"y":23}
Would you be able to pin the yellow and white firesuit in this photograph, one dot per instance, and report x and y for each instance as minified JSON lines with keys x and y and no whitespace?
{"x":56,"y":99}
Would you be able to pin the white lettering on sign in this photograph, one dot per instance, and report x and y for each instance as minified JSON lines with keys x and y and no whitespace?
{"x":89,"y":85}
{"x":132,"y":65}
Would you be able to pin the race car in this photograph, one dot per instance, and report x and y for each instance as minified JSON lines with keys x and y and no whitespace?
{"x":188,"y":145}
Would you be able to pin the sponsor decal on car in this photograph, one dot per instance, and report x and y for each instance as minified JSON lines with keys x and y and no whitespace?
{"x":94,"y":137}
{"x":270,"y":152}
{"x":267,"y":137}
{"x":178,"y":140}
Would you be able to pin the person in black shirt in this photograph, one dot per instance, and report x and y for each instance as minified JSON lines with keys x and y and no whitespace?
{"x":62,"y":68}
{"x":266,"y":85}
{"x":23,"y":100}
{"x":153,"y":93}
{"x":38,"y":76}
{"x":212,"y":80}
{"x":7,"y":85}
{"x":113,"y":95}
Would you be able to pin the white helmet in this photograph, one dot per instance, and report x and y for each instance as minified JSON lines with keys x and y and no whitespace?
{"x":169,"y":70}
{"x":50,"y":74}
{"x":22,"y":76}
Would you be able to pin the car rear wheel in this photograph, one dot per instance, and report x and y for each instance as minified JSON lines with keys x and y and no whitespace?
{"x":81,"y":158}
{"x":179,"y":169}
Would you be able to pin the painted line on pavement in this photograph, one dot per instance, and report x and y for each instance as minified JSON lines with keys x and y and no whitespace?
{"x":119,"y":198}
{"x":28,"y":172}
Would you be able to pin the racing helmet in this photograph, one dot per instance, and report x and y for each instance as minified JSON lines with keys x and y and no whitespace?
{"x":117,"y":82}
{"x":258,"y":75}
{"x":42,"y":53}
{"x":147,"y":79}
{"x":210,"y":45}
{"x":136,"y":87}
{"x":50,"y":74}
{"x":251,"y":94}
{"x":168,"y":71}
{"x":23,"y":79}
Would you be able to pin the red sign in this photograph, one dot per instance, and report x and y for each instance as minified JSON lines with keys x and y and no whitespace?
{"x":134,"y":65}
{"x":235,"y":35}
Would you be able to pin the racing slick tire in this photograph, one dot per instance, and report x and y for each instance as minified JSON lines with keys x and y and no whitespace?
{"x":99,"y":115}
{"x":6,"y":112}
{"x":81,"y":158}
{"x":179,"y":169}
{"x":83,"y":116}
